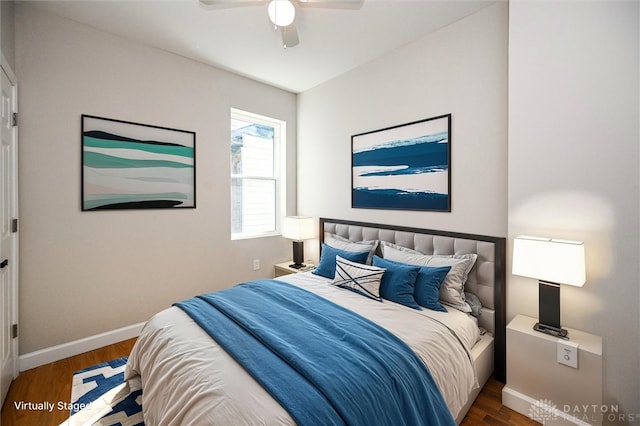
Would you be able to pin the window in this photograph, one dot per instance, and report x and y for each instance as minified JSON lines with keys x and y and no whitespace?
{"x":257,"y":178}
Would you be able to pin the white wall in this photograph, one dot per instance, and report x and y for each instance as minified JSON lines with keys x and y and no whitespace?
{"x":84,"y":273}
{"x":460,"y":69}
{"x":574,"y":166}
{"x":572,"y":150}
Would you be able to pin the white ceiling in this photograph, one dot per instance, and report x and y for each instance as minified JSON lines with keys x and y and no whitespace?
{"x":242,"y":40}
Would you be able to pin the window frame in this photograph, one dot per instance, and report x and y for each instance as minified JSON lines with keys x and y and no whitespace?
{"x":279,"y":170}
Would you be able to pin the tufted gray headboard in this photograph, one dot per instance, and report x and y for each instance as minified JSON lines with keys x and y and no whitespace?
{"x":487,"y":278}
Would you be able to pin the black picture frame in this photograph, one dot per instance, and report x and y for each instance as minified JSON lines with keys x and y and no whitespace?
{"x":127,"y":165}
{"x":403,"y":167}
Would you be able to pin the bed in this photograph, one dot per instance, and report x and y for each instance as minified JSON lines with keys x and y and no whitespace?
{"x":188,"y":377}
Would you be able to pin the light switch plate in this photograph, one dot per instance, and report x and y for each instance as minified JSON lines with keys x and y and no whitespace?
{"x":568,"y":353}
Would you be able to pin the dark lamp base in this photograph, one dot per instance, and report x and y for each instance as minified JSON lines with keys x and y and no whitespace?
{"x":550,"y":330}
{"x":297,"y":265}
{"x":298,"y":255}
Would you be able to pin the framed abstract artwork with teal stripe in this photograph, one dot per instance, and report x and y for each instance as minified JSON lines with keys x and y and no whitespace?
{"x":136,"y":166}
{"x":404,"y":167}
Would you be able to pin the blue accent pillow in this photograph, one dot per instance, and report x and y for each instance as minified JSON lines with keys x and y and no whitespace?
{"x":398,"y":281}
{"x":428,"y":284}
{"x":327,"y":265}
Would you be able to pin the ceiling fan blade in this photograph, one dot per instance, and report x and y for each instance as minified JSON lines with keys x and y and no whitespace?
{"x":231,"y":3}
{"x":332,"y":4}
{"x":289,"y":36}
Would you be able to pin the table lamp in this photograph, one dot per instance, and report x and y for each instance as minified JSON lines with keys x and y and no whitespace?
{"x":552,"y":262}
{"x":298,"y":228}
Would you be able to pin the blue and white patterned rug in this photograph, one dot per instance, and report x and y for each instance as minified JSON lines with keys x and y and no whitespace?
{"x":100,"y":396}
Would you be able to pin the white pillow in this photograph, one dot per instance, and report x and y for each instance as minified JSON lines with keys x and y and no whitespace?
{"x":341,"y":243}
{"x":452,"y":288}
{"x":362,"y":279}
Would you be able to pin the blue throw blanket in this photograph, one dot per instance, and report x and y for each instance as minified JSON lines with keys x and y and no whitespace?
{"x":323,"y":363}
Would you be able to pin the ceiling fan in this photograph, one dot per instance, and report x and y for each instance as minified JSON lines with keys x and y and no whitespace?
{"x":282,"y":13}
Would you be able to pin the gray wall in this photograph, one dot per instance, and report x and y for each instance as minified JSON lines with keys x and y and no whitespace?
{"x":460,"y":69}
{"x":563,"y":78}
{"x":6,"y":32}
{"x":86,"y":273}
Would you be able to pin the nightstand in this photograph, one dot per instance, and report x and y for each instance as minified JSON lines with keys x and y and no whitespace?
{"x":537,"y":383}
{"x":283,"y":268}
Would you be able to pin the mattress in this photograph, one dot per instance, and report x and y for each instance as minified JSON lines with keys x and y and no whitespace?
{"x":187,"y":378}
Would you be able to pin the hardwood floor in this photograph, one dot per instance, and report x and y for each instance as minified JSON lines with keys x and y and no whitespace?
{"x":488,"y":409}
{"x":52,"y":383}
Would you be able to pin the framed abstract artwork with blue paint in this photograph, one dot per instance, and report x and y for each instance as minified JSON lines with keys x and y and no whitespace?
{"x":136,"y":166}
{"x":404,"y":167}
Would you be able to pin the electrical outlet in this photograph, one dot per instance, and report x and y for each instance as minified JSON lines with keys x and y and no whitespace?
{"x":256,"y":264}
{"x":568,"y":353}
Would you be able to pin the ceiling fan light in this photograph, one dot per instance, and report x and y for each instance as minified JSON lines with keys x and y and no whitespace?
{"x":281,"y":12}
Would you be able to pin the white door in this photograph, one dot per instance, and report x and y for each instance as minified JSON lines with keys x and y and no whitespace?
{"x":8,"y":237}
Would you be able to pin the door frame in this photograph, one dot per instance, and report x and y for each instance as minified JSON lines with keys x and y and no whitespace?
{"x":4,"y":65}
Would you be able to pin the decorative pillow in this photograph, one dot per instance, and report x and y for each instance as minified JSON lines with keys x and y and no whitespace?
{"x":342,"y":243}
{"x":428,"y":285}
{"x":398,"y":282}
{"x":327,"y":265}
{"x":474,"y":303}
{"x":363,"y":279}
{"x":452,"y":288}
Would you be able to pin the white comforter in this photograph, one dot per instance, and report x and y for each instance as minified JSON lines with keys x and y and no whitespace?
{"x":188,"y":379}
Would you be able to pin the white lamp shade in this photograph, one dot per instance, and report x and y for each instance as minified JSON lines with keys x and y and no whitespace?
{"x":298,"y":228}
{"x":556,"y":261}
{"x":281,"y":12}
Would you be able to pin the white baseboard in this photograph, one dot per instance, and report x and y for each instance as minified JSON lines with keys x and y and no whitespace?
{"x":66,"y":350}
{"x":523,"y":404}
